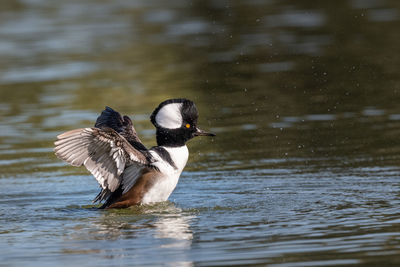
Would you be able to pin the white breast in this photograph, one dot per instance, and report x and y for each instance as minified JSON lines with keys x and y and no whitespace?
{"x":179,"y":156}
{"x":169,"y":175}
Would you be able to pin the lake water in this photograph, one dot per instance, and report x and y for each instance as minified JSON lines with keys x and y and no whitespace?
{"x":303,"y":95}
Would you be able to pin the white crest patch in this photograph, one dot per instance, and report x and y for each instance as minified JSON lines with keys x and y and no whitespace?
{"x":169,"y":116}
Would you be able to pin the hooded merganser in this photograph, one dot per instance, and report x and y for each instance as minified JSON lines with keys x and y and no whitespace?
{"x":129,"y":173}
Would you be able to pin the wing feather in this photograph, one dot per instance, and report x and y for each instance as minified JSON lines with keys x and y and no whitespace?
{"x":130,"y":176}
{"x":103,"y":152}
{"x":123,"y":125}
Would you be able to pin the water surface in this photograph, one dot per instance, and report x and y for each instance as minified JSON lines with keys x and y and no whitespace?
{"x":303,"y":96}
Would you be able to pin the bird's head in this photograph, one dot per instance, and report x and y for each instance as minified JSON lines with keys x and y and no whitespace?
{"x":176,"y":122}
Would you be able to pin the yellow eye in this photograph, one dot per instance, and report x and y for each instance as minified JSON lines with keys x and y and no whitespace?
{"x":188,"y":125}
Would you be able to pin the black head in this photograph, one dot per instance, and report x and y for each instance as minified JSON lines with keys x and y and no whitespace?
{"x":176,"y":122}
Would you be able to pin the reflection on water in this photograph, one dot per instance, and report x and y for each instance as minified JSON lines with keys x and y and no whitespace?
{"x":304,"y":97}
{"x":167,"y":225}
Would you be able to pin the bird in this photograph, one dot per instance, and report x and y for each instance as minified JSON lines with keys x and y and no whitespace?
{"x":128,"y":173}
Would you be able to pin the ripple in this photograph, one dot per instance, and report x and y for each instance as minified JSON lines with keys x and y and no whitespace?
{"x":296,"y":18}
{"x":46,"y":73}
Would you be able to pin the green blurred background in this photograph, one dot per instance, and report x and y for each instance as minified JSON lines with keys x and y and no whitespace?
{"x":276,"y":79}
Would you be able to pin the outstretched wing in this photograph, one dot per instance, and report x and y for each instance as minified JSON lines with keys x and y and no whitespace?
{"x":110,"y":118}
{"x":104,"y":152}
